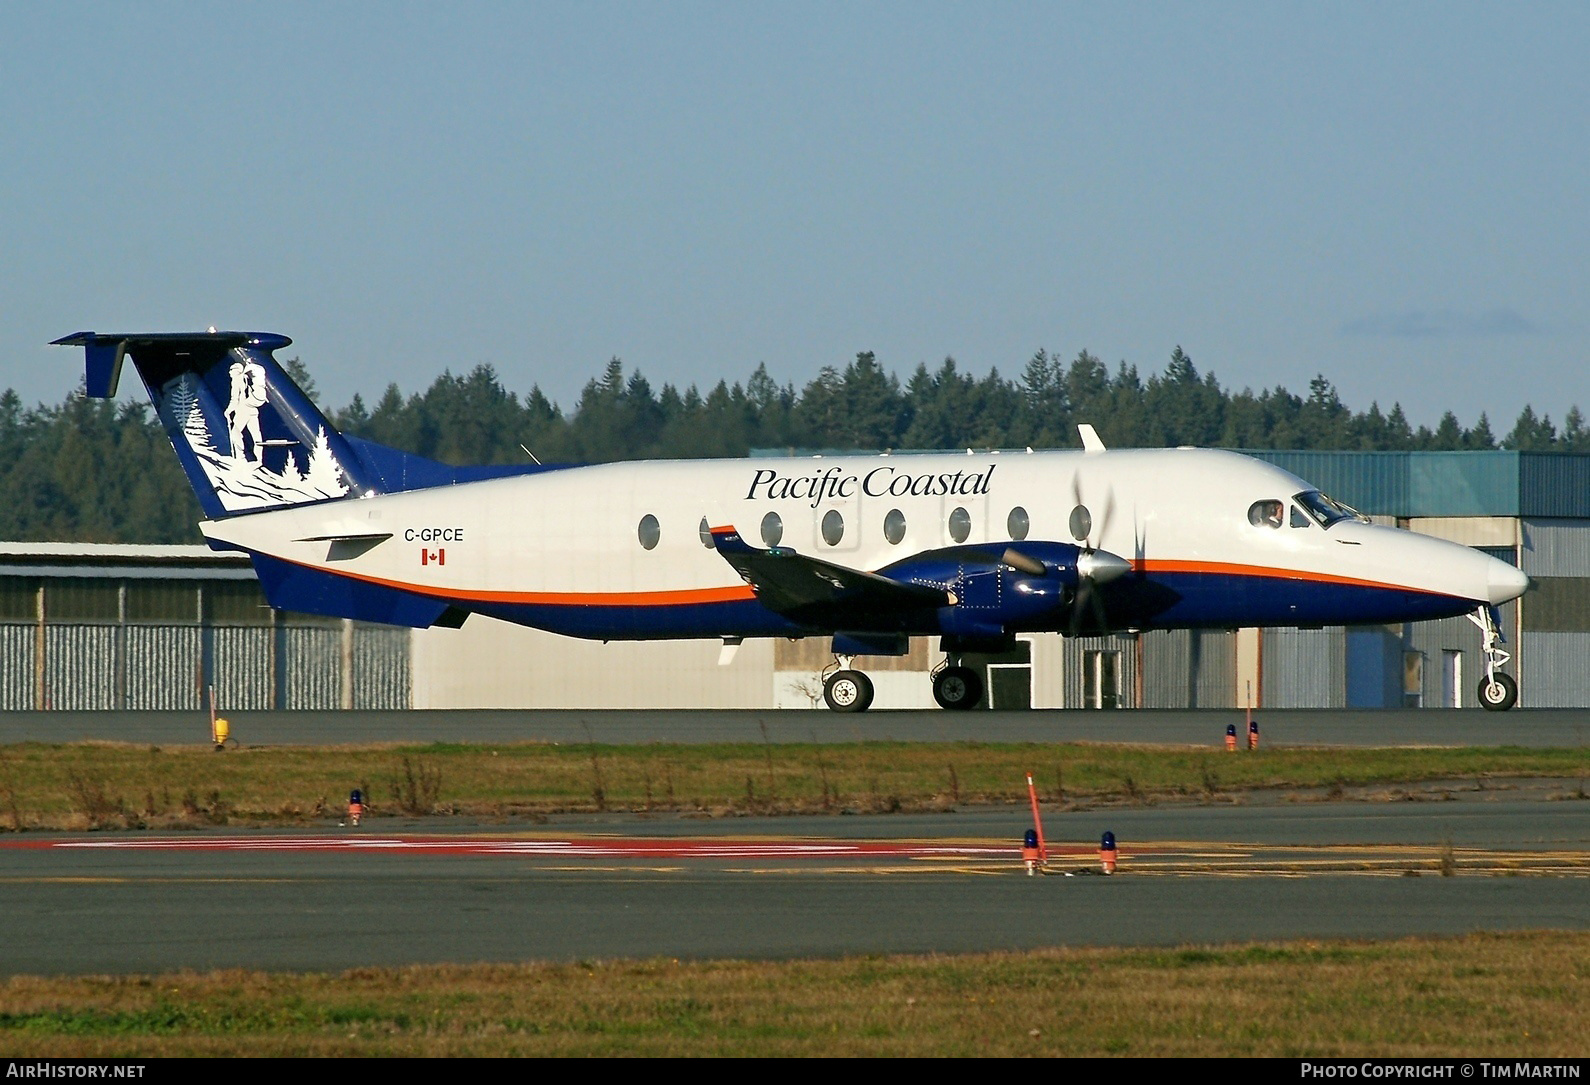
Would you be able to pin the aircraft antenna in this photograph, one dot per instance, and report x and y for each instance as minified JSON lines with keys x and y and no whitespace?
{"x":527,"y":452}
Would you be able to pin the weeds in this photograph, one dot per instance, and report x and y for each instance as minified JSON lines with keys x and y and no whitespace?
{"x":418,"y":789}
{"x":70,"y":785}
{"x":767,"y":748}
{"x":1211,"y":781}
{"x":8,"y":791}
{"x":91,"y":798}
{"x":598,"y":785}
{"x":829,"y":795}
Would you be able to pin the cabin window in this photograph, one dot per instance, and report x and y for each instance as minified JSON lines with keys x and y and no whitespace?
{"x":960,"y":525}
{"x":1326,"y":511}
{"x":772,"y":529}
{"x":1081,"y":523}
{"x":649,"y":531}
{"x":833,"y":527}
{"x":1265,"y":513}
{"x":894,"y":527}
{"x":1017,"y":523}
{"x":705,"y":529}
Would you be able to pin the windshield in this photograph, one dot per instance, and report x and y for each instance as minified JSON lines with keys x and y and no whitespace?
{"x":1325,"y":510}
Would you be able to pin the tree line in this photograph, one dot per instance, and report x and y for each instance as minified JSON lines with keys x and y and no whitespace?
{"x":98,"y":471}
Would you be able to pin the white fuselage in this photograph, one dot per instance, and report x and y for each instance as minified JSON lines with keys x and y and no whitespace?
{"x":573,"y":537}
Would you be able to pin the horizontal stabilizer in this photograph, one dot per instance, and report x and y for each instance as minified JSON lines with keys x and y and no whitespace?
{"x":348,"y":547}
{"x":375,"y":537}
{"x":246,"y":435}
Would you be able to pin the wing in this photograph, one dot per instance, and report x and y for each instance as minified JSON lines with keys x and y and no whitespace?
{"x":806,"y":588}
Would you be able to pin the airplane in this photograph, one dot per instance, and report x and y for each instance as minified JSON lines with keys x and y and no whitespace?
{"x":867,"y":550}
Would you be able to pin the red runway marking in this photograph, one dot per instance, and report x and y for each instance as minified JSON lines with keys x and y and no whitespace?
{"x":576,"y":847}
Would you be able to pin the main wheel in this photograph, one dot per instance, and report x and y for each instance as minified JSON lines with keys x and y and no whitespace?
{"x":848,"y":691}
{"x":1498,"y":694}
{"x":957,"y":688}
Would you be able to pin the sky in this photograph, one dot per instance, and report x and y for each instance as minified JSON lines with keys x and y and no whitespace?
{"x":1392,"y":195}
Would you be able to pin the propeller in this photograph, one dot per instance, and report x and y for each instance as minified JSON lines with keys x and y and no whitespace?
{"x":1094,"y":566}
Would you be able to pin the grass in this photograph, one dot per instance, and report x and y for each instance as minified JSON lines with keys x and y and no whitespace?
{"x":105,"y":785}
{"x":1514,"y":995}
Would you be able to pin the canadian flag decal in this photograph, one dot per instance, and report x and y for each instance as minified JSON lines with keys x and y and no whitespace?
{"x":438,"y":557}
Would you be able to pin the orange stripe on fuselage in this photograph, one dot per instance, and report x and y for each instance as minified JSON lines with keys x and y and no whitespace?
{"x":679,"y":597}
{"x":1221,"y":568}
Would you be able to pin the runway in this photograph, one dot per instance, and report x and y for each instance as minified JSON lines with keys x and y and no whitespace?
{"x":395,"y":893}
{"x":1560,"y":727}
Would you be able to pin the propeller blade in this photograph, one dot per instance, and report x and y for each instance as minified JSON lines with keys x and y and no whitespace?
{"x":1081,"y":605}
{"x":1096,"y":601}
{"x":1102,"y":524}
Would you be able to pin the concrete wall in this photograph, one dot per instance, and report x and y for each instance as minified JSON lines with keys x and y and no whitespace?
{"x":492,"y":664}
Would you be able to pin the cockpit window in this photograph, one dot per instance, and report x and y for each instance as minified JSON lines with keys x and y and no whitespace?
{"x":1325,"y":510}
{"x":1299,"y":519}
{"x":1265,"y":513}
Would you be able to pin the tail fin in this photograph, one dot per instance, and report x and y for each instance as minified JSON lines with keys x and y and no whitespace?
{"x":247,"y":436}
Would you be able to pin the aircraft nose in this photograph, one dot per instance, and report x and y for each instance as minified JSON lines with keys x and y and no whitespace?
{"x":1505,"y":582}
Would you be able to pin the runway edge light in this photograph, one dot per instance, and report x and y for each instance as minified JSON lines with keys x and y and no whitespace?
{"x":1108,"y":856}
{"x":1029,"y":851}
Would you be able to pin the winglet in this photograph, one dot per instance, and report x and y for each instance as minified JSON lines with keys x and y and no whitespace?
{"x":1090,"y":438}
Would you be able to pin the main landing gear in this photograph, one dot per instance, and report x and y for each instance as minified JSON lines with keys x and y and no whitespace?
{"x":957,"y":688}
{"x":848,"y":690}
{"x":1497,"y":691}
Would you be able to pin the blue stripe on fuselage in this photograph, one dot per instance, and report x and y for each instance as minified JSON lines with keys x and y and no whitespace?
{"x":1166,"y":600}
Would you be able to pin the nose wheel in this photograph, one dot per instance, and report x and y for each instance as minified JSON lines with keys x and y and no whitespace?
{"x":1498,"y":692}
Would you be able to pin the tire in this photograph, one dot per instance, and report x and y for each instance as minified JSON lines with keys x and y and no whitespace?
{"x":957,"y":688}
{"x":848,"y":691}
{"x":1500,"y":695}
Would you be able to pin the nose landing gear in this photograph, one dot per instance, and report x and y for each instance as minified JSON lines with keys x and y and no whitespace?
{"x":1497,"y":691}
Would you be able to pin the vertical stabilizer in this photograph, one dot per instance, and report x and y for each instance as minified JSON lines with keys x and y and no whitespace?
{"x":247,"y":436}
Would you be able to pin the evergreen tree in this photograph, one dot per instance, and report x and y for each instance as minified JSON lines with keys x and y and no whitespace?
{"x":1480,"y":438}
{"x":941,"y":402}
{"x":95,"y":471}
{"x":1531,"y":434}
{"x":1045,"y":418}
{"x":1574,"y":437}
